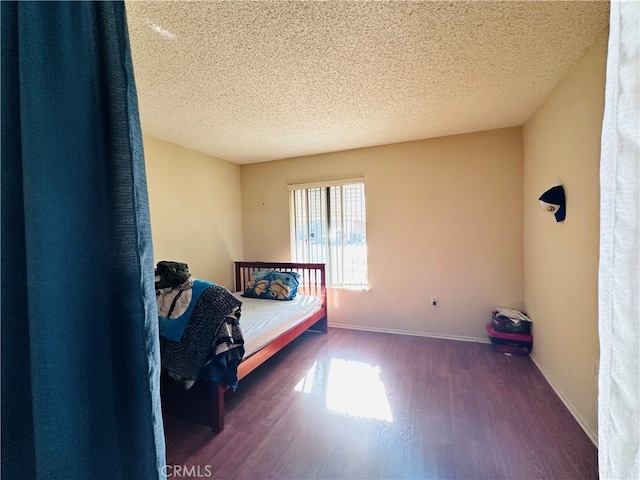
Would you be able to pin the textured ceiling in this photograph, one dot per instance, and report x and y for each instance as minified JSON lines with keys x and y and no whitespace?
{"x":250,"y":81}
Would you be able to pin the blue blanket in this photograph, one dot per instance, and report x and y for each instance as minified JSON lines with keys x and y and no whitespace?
{"x":173,"y":328}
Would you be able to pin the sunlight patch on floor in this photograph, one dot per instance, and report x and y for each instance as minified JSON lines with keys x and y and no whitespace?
{"x":352,"y":388}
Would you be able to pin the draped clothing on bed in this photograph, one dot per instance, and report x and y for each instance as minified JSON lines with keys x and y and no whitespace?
{"x":207,"y":333}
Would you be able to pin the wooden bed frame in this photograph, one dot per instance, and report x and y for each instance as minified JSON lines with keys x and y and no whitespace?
{"x":204,"y":402}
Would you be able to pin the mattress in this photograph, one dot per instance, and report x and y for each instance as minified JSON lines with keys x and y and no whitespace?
{"x":263,"y":320}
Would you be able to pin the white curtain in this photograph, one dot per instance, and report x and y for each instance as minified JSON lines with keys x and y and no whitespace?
{"x":619,"y":277}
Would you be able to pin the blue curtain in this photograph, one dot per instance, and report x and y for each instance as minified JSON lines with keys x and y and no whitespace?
{"x":80,"y":355}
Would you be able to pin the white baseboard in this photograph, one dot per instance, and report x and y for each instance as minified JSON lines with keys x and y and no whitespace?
{"x":593,"y":436}
{"x":409,"y":332}
{"x":574,"y":412}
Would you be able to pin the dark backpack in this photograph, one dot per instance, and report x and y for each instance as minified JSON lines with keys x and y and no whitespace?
{"x":172,"y":274}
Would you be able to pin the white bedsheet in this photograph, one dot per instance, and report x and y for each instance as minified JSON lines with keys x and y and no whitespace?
{"x":262,"y":320}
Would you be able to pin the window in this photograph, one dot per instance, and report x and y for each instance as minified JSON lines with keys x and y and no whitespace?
{"x":328,"y":225}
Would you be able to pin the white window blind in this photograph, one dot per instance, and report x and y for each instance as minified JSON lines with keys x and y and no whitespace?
{"x":328,"y":225}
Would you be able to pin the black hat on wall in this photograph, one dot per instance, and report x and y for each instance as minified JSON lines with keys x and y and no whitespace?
{"x":553,"y":200}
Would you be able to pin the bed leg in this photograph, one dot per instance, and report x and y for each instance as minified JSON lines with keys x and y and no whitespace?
{"x":320,"y":326}
{"x":217,"y":408}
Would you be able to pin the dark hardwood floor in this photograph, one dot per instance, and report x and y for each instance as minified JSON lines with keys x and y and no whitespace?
{"x":362,"y":405}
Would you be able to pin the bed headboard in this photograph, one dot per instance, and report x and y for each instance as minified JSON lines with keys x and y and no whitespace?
{"x":312,"y":275}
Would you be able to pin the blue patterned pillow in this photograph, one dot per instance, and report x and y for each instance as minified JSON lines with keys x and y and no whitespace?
{"x":272,"y":285}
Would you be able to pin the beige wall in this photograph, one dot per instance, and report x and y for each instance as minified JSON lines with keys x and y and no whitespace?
{"x":562,"y":146}
{"x":195,"y":209}
{"x":444,"y":218}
